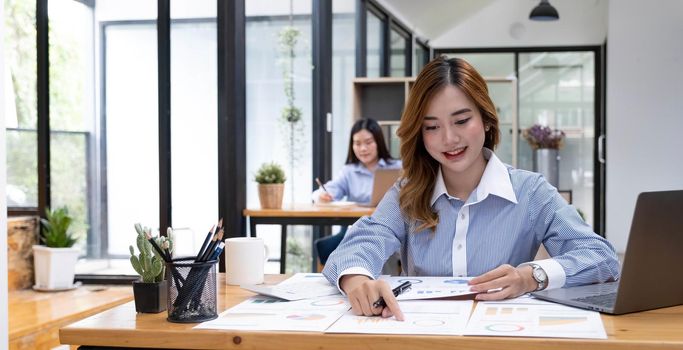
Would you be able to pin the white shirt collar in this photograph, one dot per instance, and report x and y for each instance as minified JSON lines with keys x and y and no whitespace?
{"x":495,"y":181}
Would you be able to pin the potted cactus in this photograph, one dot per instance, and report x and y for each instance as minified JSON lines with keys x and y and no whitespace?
{"x":55,"y":261}
{"x":150,"y":291}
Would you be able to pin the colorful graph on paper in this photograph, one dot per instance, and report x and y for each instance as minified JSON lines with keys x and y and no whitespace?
{"x":265,"y":313}
{"x":436,"y":317}
{"x":431,"y":287}
{"x":534,"y":318}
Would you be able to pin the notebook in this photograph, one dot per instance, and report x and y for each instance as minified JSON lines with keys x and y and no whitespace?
{"x":384,"y":179}
{"x":650,"y":275}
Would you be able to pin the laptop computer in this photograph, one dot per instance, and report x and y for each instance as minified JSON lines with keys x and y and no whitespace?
{"x":384,"y":179}
{"x":650,"y":275}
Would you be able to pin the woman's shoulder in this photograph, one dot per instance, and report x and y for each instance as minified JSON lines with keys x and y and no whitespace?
{"x":392,"y":164}
{"x":525,"y":181}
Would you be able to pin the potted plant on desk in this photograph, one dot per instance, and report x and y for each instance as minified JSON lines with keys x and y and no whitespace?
{"x":150,"y":291}
{"x":271,"y":179}
{"x":55,"y":261}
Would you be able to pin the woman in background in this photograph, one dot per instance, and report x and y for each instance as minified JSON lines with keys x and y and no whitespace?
{"x":367,"y":153}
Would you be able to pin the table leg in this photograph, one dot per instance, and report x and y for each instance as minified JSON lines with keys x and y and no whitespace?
{"x":283,"y":248}
{"x":314,"y":253}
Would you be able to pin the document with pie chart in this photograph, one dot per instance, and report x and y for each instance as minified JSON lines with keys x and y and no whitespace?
{"x":431,"y":287}
{"x":434,"y":317}
{"x":272,"y":314}
{"x":529,"y":317}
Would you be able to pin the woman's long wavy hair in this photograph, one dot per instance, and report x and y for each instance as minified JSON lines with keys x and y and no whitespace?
{"x":419,"y":168}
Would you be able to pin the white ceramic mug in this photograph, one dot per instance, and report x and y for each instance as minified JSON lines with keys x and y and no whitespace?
{"x":245,"y":258}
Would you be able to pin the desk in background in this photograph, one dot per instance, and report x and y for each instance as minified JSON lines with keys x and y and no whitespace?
{"x":35,"y":318}
{"x":122,"y":327}
{"x":302,"y":214}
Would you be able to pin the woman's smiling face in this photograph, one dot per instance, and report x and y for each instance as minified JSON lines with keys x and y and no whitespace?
{"x":453,"y":131}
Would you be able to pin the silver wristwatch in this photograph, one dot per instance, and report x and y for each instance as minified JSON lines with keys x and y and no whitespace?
{"x":539,"y":276}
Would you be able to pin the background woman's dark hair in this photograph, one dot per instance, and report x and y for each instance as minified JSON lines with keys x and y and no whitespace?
{"x":373,"y":127}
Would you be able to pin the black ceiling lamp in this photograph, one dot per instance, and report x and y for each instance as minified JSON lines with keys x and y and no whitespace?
{"x":544,"y":12}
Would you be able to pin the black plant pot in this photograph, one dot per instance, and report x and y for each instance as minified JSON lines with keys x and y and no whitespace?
{"x":150,"y":297}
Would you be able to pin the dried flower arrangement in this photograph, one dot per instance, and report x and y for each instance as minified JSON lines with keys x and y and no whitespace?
{"x":540,"y":136}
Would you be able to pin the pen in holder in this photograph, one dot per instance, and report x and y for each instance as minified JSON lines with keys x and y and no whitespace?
{"x":191,"y":290}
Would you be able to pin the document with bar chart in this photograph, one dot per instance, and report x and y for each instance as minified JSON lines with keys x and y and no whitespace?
{"x":534,"y":318}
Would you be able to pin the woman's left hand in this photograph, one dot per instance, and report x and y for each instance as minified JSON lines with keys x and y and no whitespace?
{"x":512,"y":281}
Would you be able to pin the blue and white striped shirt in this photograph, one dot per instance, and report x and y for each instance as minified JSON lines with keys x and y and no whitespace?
{"x":504,"y":221}
{"x":354,"y":182}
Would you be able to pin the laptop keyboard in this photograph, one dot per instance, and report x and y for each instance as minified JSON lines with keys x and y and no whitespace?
{"x":606,"y":300}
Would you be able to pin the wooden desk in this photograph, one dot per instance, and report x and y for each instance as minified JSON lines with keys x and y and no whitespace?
{"x":121,"y":326}
{"x":35,"y":318}
{"x":302,"y":214}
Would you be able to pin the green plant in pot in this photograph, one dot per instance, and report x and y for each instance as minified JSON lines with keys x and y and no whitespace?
{"x":150,"y":291}
{"x":270,"y":178}
{"x":55,"y":261}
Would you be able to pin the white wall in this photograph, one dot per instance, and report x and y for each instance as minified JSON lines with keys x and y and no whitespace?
{"x":3,"y":203}
{"x":644,"y":106}
{"x":505,"y":23}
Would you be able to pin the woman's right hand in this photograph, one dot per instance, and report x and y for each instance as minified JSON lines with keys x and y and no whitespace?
{"x":363,"y":292}
{"x":325,"y":197}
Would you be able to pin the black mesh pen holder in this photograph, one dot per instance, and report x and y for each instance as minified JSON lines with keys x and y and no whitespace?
{"x":191,"y":290}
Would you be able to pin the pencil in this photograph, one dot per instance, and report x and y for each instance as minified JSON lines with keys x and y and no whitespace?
{"x":206,"y":242}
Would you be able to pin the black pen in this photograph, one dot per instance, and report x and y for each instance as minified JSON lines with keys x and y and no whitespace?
{"x":397,"y":291}
{"x":321,"y":184}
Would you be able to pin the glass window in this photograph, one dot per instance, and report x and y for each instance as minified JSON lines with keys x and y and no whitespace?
{"x":490,"y":65}
{"x":343,"y":72}
{"x":21,"y":110}
{"x":420,"y":58}
{"x":374,"y":45}
{"x":72,"y":112}
{"x":194,"y":119}
{"x":130,"y":124}
{"x":270,"y":137}
{"x":557,"y":89}
{"x":398,"y":54}
{"x":132,"y":149}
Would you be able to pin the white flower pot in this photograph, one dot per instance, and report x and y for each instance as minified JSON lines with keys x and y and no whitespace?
{"x":54,"y":267}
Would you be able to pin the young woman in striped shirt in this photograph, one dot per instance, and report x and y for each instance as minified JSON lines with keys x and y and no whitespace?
{"x":459,"y":211}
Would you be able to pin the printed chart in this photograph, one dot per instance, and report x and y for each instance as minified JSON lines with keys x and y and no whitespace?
{"x":298,"y":287}
{"x":431,"y":287}
{"x":266,"y":313}
{"x":436,"y":317}
{"x":534,"y":318}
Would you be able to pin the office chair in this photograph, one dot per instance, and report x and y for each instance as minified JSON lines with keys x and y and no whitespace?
{"x":326,"y":245}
